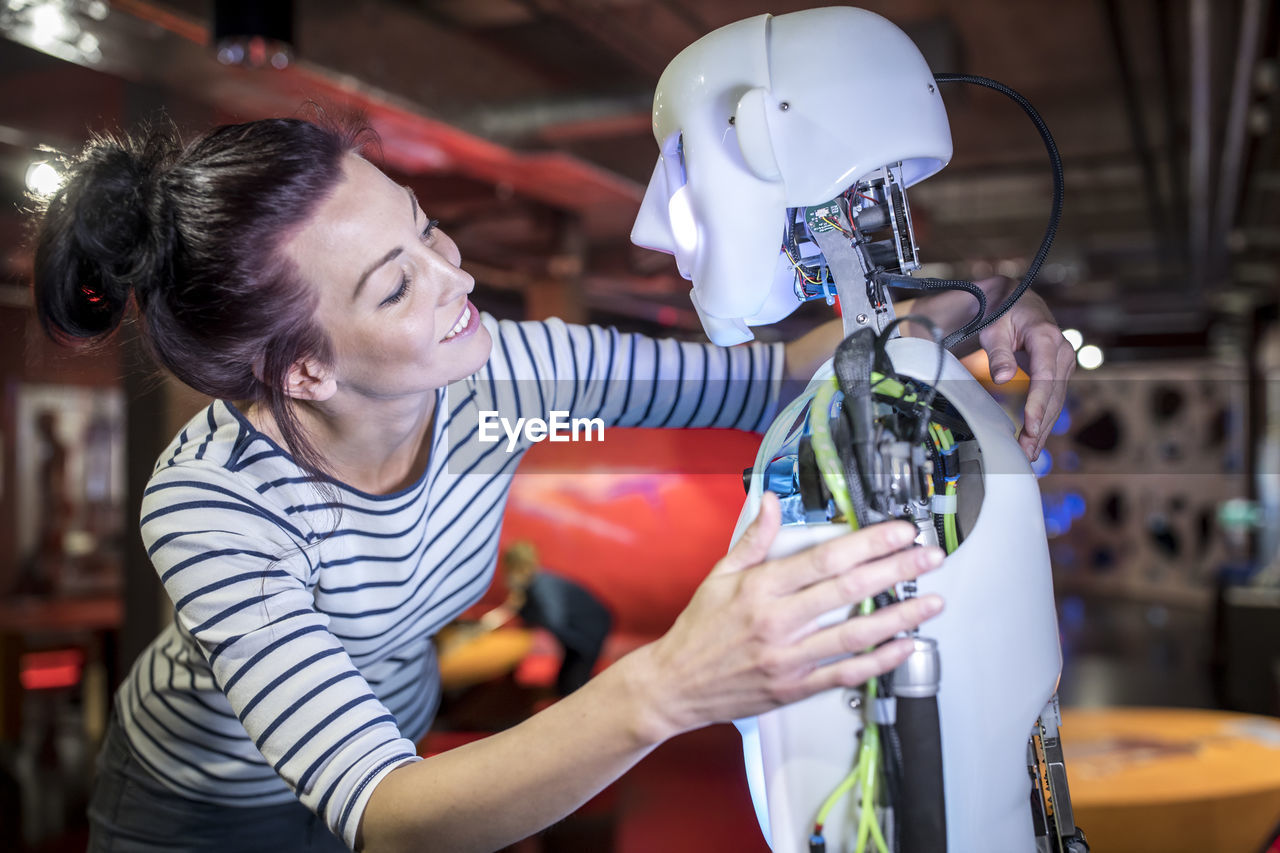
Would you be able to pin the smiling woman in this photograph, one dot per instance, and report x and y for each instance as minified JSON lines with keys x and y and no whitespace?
{"x":278,"y":271}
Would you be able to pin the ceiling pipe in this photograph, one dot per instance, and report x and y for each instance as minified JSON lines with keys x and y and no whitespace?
{"x":1173,"y":139}
{"x":1252,"y":18}
{"x":143,"y":41}
{"x":1156,"y":208}
{"x":1200,"y":196}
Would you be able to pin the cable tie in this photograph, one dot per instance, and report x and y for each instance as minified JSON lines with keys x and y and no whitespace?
{"x":945,"y":504}
{"x":884,"y":711}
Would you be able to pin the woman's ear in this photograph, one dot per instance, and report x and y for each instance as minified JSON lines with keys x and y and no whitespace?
{"x":310,"y":379}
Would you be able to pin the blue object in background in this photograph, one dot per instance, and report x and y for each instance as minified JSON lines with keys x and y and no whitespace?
{"x":1043,"y":464}
{"x":1062,"y":424}
{"x":1061,"y":509}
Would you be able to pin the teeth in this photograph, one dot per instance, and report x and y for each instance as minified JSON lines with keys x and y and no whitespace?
{"x":462,"y":323}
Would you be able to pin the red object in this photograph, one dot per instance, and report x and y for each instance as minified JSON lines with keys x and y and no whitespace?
{"x":638,"y":519}
{"x":50,"y":670}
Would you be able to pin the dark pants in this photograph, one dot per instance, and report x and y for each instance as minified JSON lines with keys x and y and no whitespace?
{"x":131,"y":812}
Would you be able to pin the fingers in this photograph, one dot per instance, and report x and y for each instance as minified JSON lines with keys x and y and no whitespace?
{"x":856,"y":670}
{"x":1051,"y":362}
{"x":999,"y":341}
{"x":835,"y":557}
{"x":861,"y":633}
{"x":756,"y":541}
{"x":864,"y":582}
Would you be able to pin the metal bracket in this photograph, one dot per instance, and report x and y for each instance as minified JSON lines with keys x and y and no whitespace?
{"x":1051,"y":811}
{"x":831,"y":229}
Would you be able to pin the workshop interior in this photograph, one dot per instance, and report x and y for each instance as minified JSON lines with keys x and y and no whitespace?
{"x":1107,"y":676}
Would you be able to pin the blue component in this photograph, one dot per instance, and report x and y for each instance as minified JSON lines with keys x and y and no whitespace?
{"x":780,"y":477}
{"x":792,"y":509}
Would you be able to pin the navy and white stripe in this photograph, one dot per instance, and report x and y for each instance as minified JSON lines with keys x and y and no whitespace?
{"x":300,"y":659}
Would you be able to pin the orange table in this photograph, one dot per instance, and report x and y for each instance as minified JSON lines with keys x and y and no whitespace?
{"x":1166,"y":780}
{"x":474,"y":659}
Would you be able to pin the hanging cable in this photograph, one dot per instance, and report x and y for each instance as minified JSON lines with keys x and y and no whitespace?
{"x":980,"y":321}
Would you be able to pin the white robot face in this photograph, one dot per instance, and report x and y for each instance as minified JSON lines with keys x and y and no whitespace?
{"x":771,"y":113}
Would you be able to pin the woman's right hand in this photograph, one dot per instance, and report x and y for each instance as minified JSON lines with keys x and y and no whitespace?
{"x":749,"y":640}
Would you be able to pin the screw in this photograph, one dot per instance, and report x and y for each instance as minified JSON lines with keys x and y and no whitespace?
{"x":855,"y":701}
{"x":732,"y":119}
{"x":862,"y":319}
{"x":784,"y":106}
{"x":931,"y":89}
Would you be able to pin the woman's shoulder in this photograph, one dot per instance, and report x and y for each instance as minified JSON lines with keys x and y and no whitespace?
{"x":221,"y":476}
{"x":219,"y":448}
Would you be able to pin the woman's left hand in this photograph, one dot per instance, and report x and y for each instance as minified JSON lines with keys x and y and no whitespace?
{"x":1029,"y":327}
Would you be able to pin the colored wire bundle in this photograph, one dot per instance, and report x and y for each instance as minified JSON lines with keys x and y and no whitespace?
{"x":945,"y":443}
{"x":865,"y":775}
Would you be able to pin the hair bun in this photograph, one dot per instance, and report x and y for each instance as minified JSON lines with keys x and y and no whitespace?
{"x":106,"y":233}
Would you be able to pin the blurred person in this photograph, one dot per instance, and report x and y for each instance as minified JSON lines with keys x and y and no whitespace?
{"x":569,"y":612}
{"x":318,"y":522}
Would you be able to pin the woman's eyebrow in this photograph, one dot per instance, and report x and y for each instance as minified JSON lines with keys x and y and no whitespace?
{"x":389,"y":256}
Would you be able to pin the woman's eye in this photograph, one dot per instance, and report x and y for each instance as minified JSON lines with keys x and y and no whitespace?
{"x":430,"y":229}
{"x":401,"y":291}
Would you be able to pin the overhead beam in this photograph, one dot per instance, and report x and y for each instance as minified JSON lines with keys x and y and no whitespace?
{"x":648,"y":35}
{"x":144,"y":42}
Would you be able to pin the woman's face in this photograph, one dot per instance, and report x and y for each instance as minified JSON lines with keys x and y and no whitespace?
{"x":392,"y":297}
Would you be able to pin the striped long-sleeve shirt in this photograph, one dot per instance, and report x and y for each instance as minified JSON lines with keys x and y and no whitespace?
{"x":299,"y":662}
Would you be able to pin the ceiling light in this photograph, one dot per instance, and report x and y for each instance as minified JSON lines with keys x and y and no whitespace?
{"x":43,"y":179}
{"x":1089,"y":357}
{"x":50,"y":24}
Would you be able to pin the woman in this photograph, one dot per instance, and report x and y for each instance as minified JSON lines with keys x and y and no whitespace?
{"x":335,"y":507}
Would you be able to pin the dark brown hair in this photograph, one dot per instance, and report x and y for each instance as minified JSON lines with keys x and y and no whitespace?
{"x":192,"y":235}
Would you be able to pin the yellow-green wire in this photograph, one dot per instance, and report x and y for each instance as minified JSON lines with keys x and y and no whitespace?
{"x":824,"y":451}
{"x":864,"y":774}
{"x":949,"y":531}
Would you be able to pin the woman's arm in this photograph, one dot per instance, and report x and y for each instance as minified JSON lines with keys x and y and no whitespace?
{"x":746,"y":643}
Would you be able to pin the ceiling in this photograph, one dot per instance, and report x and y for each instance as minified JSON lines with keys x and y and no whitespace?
{"x":524,"y":126}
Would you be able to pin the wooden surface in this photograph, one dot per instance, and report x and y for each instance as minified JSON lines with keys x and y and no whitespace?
{"x":1167,"y":780}
{"x":28,"y":621}
{"x":57,"y":615}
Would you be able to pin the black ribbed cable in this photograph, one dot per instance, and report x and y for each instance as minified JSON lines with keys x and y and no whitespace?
{"x":980,"y":322}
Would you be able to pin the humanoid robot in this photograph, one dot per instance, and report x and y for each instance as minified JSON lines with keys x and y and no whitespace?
{"x":788,"y":144}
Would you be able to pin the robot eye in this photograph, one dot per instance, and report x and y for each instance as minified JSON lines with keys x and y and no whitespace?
{"x":673,"y":161}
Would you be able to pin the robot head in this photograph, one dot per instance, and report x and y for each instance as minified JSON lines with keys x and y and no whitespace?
{"x":771,"y":113}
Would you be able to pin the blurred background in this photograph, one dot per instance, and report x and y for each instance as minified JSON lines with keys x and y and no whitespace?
{"x":523,"y":125}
